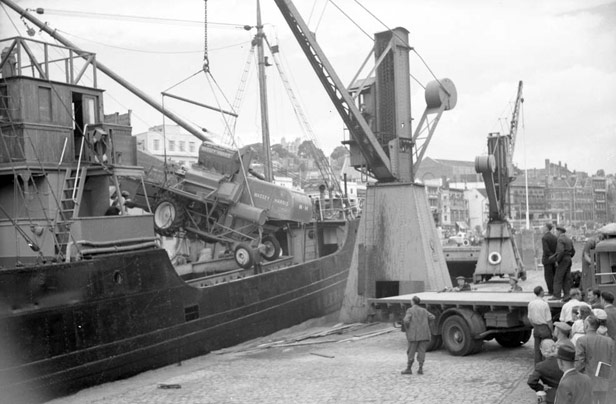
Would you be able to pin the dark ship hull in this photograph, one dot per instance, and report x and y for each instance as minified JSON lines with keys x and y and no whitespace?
{"x":88,"y":296}
{"x":73,"y":325}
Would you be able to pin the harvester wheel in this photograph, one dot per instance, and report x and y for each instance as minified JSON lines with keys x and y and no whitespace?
{"x":244,"y":255}
{"x":169,"y":215}
{"x":271,"y":248}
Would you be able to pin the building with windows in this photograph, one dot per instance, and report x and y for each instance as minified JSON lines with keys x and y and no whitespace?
{"x":170,"y":141}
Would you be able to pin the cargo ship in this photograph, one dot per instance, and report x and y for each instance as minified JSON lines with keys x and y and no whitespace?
{"x":88,"y":296}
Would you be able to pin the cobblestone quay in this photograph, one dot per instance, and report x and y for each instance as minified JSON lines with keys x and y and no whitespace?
{"x":365,"y":369}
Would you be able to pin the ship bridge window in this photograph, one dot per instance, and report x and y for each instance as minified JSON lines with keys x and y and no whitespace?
{"x":44,"y":100}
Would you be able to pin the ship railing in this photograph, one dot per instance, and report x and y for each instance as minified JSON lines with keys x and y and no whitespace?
{"x":32,"y":58}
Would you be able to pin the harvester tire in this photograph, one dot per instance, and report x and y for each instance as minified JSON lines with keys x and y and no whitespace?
{"x":244,"y":255}
{"x":169,"y":215}
{"x":271,"y":248}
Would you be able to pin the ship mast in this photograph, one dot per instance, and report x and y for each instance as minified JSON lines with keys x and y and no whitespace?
{"x":269,"y":175}
{"x":110,"y":73}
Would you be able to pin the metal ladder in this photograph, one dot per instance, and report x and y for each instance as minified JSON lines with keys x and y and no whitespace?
{"x":71,"y":195}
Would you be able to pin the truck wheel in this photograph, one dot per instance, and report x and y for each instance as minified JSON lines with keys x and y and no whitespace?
{"x":168,"y":215}
{"x":436,"y":342}
{"x":513,"y":339}
{"x":244,"y":256}
{"x":271,"y":248}
{"x":457,"y":336}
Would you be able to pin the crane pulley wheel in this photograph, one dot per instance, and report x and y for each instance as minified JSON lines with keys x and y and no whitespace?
{"x":485,"y":164}
{"x":441,"y":92}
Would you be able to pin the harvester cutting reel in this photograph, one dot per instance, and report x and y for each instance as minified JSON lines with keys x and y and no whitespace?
{"x":215,"y":222}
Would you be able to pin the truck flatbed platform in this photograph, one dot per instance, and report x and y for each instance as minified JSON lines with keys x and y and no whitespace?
{"x":468,"y":298}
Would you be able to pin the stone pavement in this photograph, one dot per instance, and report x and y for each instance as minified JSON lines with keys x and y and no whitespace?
{"x":366,"y":370}
{"x":362,"y":371}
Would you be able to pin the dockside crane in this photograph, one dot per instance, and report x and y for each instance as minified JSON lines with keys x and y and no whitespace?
{"x":499,"y":254}
{"x":398,"y":248}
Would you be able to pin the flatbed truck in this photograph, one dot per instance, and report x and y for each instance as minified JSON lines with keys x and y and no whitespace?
{"x":465,"y":319}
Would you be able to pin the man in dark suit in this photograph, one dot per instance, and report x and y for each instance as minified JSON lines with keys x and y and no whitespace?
{"x":591,"y":349}
{"x":607,"y":299}
{"x":574,"y":387}
{"x":562,"y":257}
{"x":417,"y":324}
{"x":547,"y":374}
{"x":548,"y":241}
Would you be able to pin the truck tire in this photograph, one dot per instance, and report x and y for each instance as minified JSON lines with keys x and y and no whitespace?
{"x":436,"y":342}
{"x":169,"y":215}
{"x":271,"y":250}
{"x":513,"y":339}
{"x":244,"y":255}
{"x":457,"y":336}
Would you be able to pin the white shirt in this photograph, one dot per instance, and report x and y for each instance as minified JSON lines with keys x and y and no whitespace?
{"x":566,"y":313}
{"x":539,"y":311}
{"x":577,"y":330}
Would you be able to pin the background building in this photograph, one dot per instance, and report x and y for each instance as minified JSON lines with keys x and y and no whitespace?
{"x":170,"y":141}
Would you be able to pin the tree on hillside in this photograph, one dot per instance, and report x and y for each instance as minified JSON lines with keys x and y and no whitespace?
{"x":339,"y":152}
{"x":338,"y":156}
{"x":259,"y":154}
{"x":281,"y":151}
{"x":307,"y":149}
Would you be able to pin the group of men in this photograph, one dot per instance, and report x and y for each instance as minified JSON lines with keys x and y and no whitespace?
{"x":578,"y":370}
{"x":557,"y":253}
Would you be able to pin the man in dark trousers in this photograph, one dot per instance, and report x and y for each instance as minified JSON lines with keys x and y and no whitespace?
{"x":574,"y":387}
{"x":562,"y":257}
{"x":547,"y":374}
{"x":417,"y":325}
{"x":548,"y":241}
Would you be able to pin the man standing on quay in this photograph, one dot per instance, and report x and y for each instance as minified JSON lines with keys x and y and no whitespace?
{"x":540,"y":318}
{"x":562,"y":257}
{"x":548,"y":241}
{"x":417,"y":325}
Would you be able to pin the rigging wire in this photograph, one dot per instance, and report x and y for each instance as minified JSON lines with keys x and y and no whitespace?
{"x":406,"y":43}
{"x":150,"y":51}
{"x":10,"y":18}
{"x":316,"y":27}
{"x":154,"y":20}
{"x":350,"y":19}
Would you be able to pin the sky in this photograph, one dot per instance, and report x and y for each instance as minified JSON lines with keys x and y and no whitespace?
{"x":564,"y":52}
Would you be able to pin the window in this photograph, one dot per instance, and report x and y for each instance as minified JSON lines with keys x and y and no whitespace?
{"x":90,"y":110}
{"x":191,"y":147}
{"x":156,"y":144}
{"x":172,"y":145}
{"x":44,"y":100}
{"x":182,"y":145}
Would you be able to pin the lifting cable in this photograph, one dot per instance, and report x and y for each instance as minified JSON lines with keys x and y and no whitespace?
{"x":409,"y":46}
{"x":206,"y":60}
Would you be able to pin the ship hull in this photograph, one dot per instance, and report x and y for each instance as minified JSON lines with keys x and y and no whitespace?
{"x":79,"y":324}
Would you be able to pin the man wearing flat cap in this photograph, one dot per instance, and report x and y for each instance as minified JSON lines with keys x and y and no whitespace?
{"x":561,"y":334}
{"x":562,"y":258}
{"x":462,"y":285}
{"x":547,"y":374}
{"x":574,"y":387}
